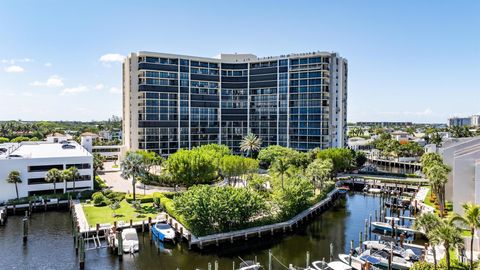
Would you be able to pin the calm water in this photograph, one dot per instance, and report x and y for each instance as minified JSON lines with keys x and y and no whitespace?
{"x":50,"y":244}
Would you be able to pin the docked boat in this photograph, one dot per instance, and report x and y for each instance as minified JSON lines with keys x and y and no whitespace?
{"x":335,"y":265}
{"x":343,"y":189}
{"x":356,"y":263}
{"x":375,"y":190}
{"x":130,"y":242}
{"x":249,"y":265}
{"x":395,"y":202}
{"x":381,"y":258}
{"x":387,"y":227}
{"x":407,"y":254}
{"x":163,"y":231}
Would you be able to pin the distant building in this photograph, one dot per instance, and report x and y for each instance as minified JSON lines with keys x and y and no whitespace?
{"x":358,"y":143}
{"x":58,"y":137}
{"x":400,"y":136}
{"x":384,"y":124}
{"x":459,"y":121}
{"x":34,"y":159}
{"x":475,"y":121}
{"x":110,"y":135}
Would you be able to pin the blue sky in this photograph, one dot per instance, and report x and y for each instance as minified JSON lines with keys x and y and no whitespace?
{"x":408,"y":60}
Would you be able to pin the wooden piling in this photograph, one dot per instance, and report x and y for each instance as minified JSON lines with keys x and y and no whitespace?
{"x":25,"y":227}
{"x":81,"y":255}
{"x":120,"y":244}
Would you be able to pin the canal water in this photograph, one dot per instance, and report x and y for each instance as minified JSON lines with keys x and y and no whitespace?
{"x":50,"y":243}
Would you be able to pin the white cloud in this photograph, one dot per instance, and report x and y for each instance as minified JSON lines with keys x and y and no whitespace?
{"x":99,"y":86}
{"x":74,"y":90}
{"x":13,"y":61}
{"x":115,"y":90}
{"x":112,"y":57}
{"x":14,"y":69}
{"x":52,"y":81}
{"x":48,"y":64}
{"x":27,"y":94}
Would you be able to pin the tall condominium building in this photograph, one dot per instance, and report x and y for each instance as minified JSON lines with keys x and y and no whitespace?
{"x":176,"y":101}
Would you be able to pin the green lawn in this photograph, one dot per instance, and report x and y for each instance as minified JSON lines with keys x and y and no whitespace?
{"x":104,"y":214}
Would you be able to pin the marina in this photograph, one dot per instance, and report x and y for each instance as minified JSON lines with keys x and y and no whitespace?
{"x":338,"y":225}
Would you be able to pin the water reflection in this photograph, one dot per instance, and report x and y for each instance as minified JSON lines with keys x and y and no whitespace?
{"x":50,"y":244}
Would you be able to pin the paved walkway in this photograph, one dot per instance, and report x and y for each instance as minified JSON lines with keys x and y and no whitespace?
{"x":82,"y":220}
{"x":116,"y":182}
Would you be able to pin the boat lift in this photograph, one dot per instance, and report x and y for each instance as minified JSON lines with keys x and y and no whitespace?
{"x":94,"y":241}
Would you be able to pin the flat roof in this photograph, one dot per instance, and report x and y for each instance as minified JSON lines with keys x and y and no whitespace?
{"x":237,"y":58}
{"x":42,"y":150}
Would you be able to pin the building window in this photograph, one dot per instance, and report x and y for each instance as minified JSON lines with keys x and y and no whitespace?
{"x":44,"y":168}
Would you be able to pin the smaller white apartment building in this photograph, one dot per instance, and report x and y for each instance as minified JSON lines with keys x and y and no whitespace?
{"x":463,"y":156}
{"x":34,"y":159}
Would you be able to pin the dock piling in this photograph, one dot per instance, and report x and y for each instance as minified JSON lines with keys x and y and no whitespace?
{"x":81,"y":255}
{"x":331,"y":252}
{"x":120,"y":244}
{"x":25,"y":227}
{"x":269,"y":259}
{"x":307,"y":262}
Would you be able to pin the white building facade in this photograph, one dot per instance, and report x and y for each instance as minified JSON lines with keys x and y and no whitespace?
{"x":34,"y":159}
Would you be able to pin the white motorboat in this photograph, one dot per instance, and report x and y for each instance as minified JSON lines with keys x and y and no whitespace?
{"x":374,"y":190}
{"x":129,"y":240}
{"x":249,"y":265}
{"x":335,"y":265}
{"x":407,"y":254}
{"x":383,"y":257}
{"x":355,"y":262}
{"x":163,"y":231}
{"x":384,"y":226}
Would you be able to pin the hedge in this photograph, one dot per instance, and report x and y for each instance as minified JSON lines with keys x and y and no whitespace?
{"x":98,"y":183}
{"x":166,"y":201}
{"x":138,"y":197}
{"x":86,"y":194}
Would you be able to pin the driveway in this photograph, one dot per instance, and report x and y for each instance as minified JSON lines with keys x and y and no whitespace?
{"x":114,"y":180}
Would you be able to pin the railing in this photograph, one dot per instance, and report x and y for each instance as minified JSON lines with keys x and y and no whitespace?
{"x":266,"y":228}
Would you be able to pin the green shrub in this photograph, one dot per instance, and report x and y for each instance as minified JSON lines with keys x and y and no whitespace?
{"x":98,"y":183}
{"x":99,"y":199}
{"x":140,"y":198}
{"x":114,"y":195}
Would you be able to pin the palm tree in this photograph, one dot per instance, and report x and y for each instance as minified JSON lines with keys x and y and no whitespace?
{"x":54,"y":175}
{"x":14,"y":178}
{"x":426,"y":223}
{"x":449,"y":236}
{"x":66,"y":175}
{"x":250,"y":144}
{"x":320,"y":170}
{"x":74,"y":175}
{"x":280,"y":167}
{"x":133,"y":166}
{"x":438,"y":176}
{"x":471,"y":219}
{"x":97,"y":162}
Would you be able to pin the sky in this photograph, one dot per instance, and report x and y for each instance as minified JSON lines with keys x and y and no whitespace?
{"x":408,"y":60}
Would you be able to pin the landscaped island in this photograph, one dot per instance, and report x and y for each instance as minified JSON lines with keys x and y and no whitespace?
{"x":225,"y":192}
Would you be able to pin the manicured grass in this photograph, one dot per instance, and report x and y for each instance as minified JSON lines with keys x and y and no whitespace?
{"x":104,"y":214}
